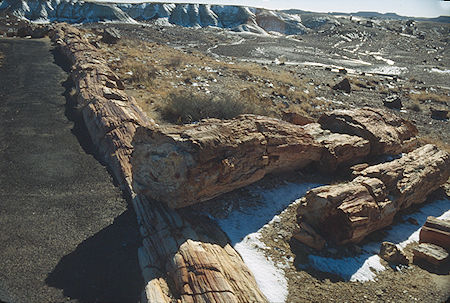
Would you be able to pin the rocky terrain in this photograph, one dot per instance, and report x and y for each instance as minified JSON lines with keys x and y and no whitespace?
{"x":350,"y":91}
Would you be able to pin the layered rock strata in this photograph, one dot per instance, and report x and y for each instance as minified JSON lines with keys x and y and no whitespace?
{"x":178,"y":262}
{"x":346,"y":213}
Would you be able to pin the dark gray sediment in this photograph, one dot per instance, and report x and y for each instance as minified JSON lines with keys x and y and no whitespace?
{"x":66,"y":232}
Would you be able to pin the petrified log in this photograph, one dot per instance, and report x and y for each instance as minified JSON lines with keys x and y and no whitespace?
{"x":183,"y":165}
{"x":436,"y":231}
{"x":346,"y":213}
{"x":179,"y":262}
{"x":412,"y":177}
{"x":430,"y":254}
{"x":199,"y":266}
{"x":386,"y":132}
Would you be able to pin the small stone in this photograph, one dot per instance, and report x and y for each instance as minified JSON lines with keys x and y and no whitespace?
{"x":111,"y":36}
{"x":344,"y":85}
{"x":439,"y":114}
{"x":393,"y":101}
{"x":392,"y":254}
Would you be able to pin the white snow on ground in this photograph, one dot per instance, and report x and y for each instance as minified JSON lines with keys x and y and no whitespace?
{"x":243,"y":228}
{"x":388,"y":61}
{"x":440,"y":71}
{"x":364,"y":267}
{"x":388,"y":70}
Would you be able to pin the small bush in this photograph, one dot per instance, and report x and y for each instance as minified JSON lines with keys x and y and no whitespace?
{"x":415,"y":106}
{"x":186,"y":107}
{"x":174,"y":62}
{"x":425,"y":96}
{"x":142,"y":74}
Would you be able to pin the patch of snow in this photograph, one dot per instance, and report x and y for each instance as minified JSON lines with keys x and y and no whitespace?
{"x":365,"y":266}
{"x":440,"y":71}
{"x":388,"y":61}
{"x":389,"y":70}
{"x":269,"y":278}
{"x":243,"y":227}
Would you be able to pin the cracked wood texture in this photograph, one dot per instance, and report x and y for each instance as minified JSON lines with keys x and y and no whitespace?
{"x":346,"y":213}
{"x":197,"y":259}
{"x":387,"y":133}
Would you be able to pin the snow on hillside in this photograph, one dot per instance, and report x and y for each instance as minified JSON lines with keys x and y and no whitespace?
{"x":236,"y":18}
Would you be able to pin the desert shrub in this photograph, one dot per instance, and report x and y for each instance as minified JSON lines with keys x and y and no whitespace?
{"x":414,"y":106}
{"x":186,"y":106}
{"x":142,"y":74}
{"x":174,"y":62}
{"x":426,"y":96}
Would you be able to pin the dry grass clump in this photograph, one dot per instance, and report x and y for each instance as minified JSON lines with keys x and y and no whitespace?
{"x":414,"y":106}
{"x":423,"y":96}
{"x":186,"y":106}
{"x":435,"y":141}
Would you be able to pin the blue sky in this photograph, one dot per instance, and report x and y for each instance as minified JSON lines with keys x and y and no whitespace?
{"x":420,"y":8}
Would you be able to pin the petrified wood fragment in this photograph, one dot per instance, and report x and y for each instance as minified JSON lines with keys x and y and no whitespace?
{"x":386,"y":132}
{"x":436,"y":231}
{"x":346,"y":213}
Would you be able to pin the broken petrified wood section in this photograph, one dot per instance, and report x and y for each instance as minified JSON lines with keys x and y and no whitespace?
{"x":436,"y":231}
{"x":346,"y":213}
{"x":183,"y":165}
{"x":430,"y":254}
{"x":181,"y":262}
{"x":386,"y":132}
{"x":110,"y":116}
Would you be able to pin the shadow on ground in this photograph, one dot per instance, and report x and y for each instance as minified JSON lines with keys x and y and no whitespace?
{"x":104,"y":267}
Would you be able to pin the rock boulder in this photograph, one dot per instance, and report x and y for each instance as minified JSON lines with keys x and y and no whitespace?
{"x":392,"y":254}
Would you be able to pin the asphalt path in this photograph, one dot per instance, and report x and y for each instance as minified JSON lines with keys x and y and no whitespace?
{"x":66,"y":232}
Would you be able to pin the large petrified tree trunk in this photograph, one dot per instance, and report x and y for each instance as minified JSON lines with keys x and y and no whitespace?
{"x":188,"y":164}
{"x":183,"y":165}
{"x":346,"y":213}
{"x":180,"y":263}
{"x":197,"y":261}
